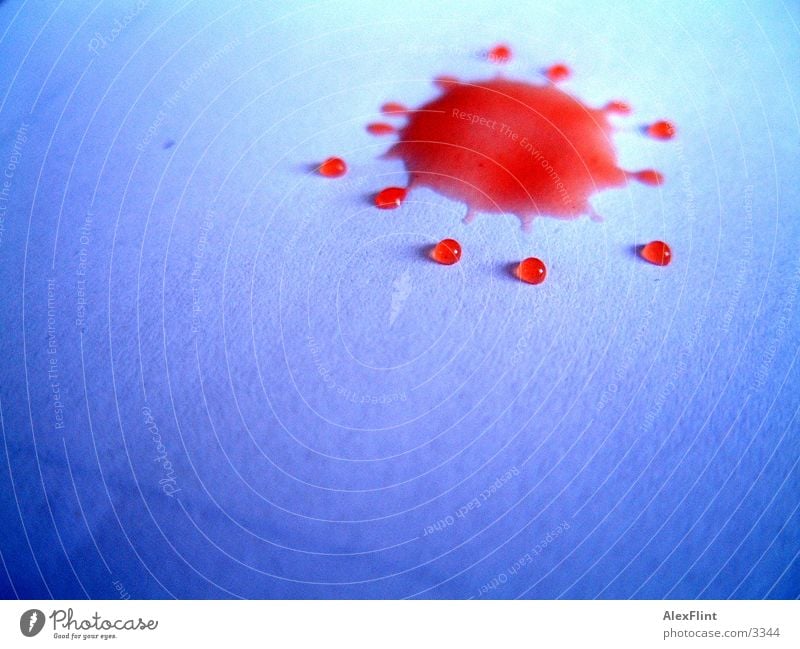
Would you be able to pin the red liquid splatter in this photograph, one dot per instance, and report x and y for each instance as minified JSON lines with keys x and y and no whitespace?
{"x":558,"y":72}
{"x":532,"y":270}
{"x":393,"y":108}
{"x":657,"y":252}
{"x":512,"y":147}
{"x":333,"y":168}
{"x":661,"y":130}
{"x":499,"y":54}
{"x":506,"y":146}
{"x":390,"y":198}
{"x":380,"y":128}
{"x":447,"y":252}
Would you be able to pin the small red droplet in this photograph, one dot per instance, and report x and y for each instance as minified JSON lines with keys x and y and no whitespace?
{"x":447,"y":252}
{"x":657,"y":252}
{"x":619,"y":107}
{"x":499,"y":54}
{"x":380,"y":128}
{"x":393,"y":108}
{"x":390,"y":198}
{"x":661,"y":130}
{"x":558,"y":72}
{"x":333,"y":168}
{"x":532,"y":270}
{"x":649,"y":177}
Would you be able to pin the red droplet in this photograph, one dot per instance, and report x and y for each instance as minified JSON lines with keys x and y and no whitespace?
{"x":333,"y":168}
{"x":558,"y":72}
{"x":393,"y":108}
{"x":499,"y":54}
{"x":380,"y":128}
{"x":619,"y":107}
{"x":656,"y":252}
{"x":447,"y":252}
{"x":532,"y":270}
{"x":390,"y":198}
{"x":661,"y":130}
{"x":649,"y":177}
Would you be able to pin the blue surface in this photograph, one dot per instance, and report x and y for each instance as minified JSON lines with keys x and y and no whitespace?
{"x":225,"y":376}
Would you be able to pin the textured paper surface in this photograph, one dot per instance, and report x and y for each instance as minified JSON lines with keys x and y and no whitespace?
{"x":328,"y":398}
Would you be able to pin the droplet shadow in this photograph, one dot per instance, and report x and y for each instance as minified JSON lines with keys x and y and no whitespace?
{"x":309,"y":167}
{"x":425,"y":252}
{"x":510,"y":270}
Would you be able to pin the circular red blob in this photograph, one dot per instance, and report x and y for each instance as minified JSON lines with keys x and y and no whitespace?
{"x":657,"y":252}
{"x":532,"y":270}
{"x":447,"y":252}
{"x":661,"y":130}
{"x":499,"y":54}
{"x":390,"y":197}
{"x":380,"y":128}
{"x":558,"y":72}
{"x":333,"y":168}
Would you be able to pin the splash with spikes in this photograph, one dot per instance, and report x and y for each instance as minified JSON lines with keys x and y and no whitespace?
{"x":511,"y":147}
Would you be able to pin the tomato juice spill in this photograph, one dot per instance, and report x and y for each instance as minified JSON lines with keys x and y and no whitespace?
{"x":511,"y":146}
{"x":515,"y":147}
